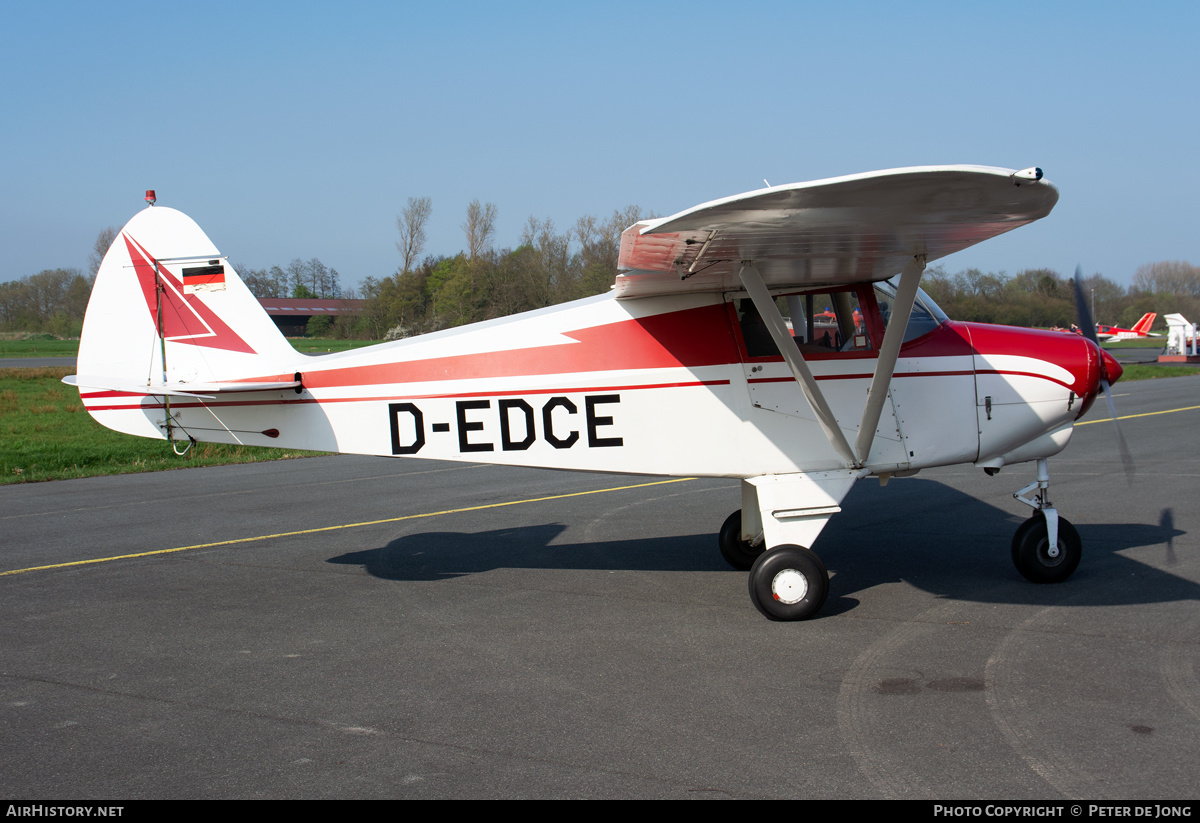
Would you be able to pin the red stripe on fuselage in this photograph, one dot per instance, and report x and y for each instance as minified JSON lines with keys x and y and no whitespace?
{"x":690,"y":339}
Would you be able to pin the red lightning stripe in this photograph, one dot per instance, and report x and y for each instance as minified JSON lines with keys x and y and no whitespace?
{"x":186,"y":319}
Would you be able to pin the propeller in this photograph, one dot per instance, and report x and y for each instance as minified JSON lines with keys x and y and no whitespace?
{"x":1088,"y":327}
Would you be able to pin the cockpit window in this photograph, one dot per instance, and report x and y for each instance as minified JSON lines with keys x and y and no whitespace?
{"x":925,"y":317}
{"x":820,"y":323}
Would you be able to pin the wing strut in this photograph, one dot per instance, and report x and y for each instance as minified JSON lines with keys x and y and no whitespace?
{"x":775,"y":324}
{"x":885,"y":366}
{"x":889,"y":351}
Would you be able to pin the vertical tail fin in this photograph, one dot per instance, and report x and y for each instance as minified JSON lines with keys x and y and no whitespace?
{"x":164,"y":286}
{"x":167,"y":310}
{"x":1143,"y":326}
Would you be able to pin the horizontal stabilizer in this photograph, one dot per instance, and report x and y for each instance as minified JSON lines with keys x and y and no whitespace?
{"x":197,"y":390}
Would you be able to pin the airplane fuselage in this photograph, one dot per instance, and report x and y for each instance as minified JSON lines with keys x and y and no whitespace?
{"x":661,"y":386}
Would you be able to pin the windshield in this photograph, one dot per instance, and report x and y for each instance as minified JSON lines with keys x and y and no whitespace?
{"x":925,"y":317}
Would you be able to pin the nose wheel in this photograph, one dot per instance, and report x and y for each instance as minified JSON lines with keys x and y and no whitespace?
{"x":1046,"y":548}
{"x":1037,"y":560}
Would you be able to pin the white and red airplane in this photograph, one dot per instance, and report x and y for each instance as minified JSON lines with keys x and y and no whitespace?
{"x":687,"y":367}
{"x":1140,"y":329}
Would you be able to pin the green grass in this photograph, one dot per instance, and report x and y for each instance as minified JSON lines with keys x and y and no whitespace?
{"x":70,"y":348}
{"x":1139,"y":371}
{"x":32,"y":347}
{"x":321,"y":345}
{"x":46,"y":434}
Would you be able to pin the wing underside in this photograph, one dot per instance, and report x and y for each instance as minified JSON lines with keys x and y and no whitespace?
{"x":859,"y":228}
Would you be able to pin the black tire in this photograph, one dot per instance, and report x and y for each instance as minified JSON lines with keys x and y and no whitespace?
{"x":1031,"y":555}
{"x":736,"y":551}
{"x":788,"y":583}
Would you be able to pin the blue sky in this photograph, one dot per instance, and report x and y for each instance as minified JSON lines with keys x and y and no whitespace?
{"x":300,"y":129}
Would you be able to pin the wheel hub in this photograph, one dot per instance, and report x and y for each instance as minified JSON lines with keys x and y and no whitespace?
{"x":1050,"y":555}
{"x":789,"y":587}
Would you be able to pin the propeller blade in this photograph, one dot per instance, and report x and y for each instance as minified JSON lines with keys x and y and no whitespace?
{"x":1088,"y":327}
{"x":1122,"y":446}
{"x":1086,"y":324}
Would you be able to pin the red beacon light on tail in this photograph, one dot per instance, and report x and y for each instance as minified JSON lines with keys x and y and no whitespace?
{"x":150,"y":198}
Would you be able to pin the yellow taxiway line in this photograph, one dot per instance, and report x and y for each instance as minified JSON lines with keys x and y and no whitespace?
{"x":343,"y":526}
{"x":437,"y":514}
{"x":1143,"y":414}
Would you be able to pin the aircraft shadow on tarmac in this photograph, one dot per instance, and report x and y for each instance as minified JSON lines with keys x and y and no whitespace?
{"x":922,"y":532}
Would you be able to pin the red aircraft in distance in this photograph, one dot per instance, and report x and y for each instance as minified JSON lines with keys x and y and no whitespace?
{"x":1140,"y":329}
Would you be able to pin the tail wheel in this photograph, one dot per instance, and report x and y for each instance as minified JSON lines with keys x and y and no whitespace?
{"x":788,"y":583}
{"x":736,"y":551}
{"x":1037,"y":560}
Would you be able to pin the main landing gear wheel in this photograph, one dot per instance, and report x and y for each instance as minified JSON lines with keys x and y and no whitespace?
{"x":788,"y":583}
{"x":736,"y":551}
{"x":1036,"y":560}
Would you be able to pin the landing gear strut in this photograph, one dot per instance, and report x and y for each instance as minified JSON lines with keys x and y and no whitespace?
{"x":1046,"y":548}
{"x":780,"y":515}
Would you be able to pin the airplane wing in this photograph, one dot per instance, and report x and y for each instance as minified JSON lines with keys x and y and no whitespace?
{"x":858,"y":228}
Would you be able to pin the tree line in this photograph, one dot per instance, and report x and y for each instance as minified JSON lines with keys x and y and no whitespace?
{"x":432,"y":292}
{"x":310,"y":279}
{"x":1044,"y":298}
{"x":550,"y":266}
{"x":481,"y":282}
{"x":53,"y":300}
